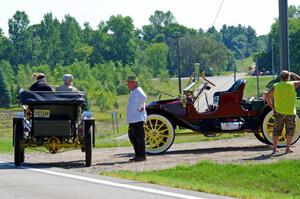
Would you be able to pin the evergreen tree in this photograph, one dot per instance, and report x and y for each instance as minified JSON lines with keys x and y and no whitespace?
{"x":5,"y":95}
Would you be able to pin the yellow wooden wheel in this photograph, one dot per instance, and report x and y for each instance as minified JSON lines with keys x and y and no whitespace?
{"x":159,"y":134}
{"x":267,"y":129}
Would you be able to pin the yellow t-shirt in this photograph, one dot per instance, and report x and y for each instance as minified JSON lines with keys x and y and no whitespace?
{"x":285,"y":98}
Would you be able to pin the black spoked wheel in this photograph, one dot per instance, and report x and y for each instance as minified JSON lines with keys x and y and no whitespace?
{"x":261,"y":138}
{"x":18,"y":143}
{"x":88,"y":130}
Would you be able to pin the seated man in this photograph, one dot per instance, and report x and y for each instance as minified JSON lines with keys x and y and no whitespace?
{"x":41,"y":83}
{"x":68,"y":84}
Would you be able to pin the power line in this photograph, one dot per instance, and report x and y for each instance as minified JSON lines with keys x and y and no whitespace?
{"x":215,"y":19}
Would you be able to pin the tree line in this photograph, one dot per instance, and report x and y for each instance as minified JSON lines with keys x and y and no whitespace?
{"x":101,"y":59}
{"x":270,"y":55}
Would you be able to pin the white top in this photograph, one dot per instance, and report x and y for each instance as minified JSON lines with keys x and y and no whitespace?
{"x":136,"y":108}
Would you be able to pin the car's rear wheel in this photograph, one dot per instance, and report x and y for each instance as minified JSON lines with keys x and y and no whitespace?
{"x":159,"y":134}
{"x":18,"y":143}
{"x":88,"y":130}
{"x":267,"y":129}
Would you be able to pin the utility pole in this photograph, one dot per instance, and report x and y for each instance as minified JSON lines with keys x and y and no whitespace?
{"x":257,"y":79}
{"x":178,"y":64}
{"x":284,"y":37}
{"x":272,"y":58}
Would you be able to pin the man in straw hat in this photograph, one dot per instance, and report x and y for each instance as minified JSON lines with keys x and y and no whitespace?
{"x":136,"y":117}
{"x":68,"y":84}
{"x":284,"y":107}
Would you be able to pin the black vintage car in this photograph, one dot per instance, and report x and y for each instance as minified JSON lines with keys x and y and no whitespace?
{"x":54,"y":120}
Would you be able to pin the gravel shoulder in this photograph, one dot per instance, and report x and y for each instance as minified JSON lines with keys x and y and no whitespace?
{"x":237,"y":150}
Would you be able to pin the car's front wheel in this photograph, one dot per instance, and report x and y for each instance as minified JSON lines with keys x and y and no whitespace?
{"x":267,"y":129}
{"x":159,"y":134}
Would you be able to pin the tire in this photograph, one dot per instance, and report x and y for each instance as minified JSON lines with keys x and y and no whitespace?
{"x":88,"y":130}
{"x":267,"y":130}
{"x":261,"y":138}
{"x":159,"y":133}
{"x":18,"y":143}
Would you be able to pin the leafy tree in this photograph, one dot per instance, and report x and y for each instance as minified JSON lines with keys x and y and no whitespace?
{"x":121,"y":41}
{"x":5,"y":46}
{"x":5,"y":95}
{"x":155,"y":30}
{"x":100,"y":47}
{"x":83,"y":52}
{"x":7,"y":71}
{"x":145,"y":79}
{"x":164,"y":76}
{"x":203,"y":50}
{"x":155,"y":58}
{"x":294,"y":34}
{"x":240,"y":40}
{"x":70,"y":38}
{"x":87,"y":34}
{"x":24,"y":76}
{"x":121,"y":77}
{"x":9,"y":76}
{"x":35,"y":46}
{"x":105,"y":76}
{"x":20,"y":38}
{"x":104,"y":100}
{"x":43,"y":69}
{"x":51,"y":41}
{"x":212,"y":32}
{"x":173,"y":33}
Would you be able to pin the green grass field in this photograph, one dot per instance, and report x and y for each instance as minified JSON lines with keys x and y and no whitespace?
{"x":244,"y":64}
{"x":251,"y":86}
{"x":5,"y":144}
{"x":273,"y":181}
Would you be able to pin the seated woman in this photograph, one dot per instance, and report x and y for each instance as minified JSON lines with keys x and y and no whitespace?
{"x":41,"y":83}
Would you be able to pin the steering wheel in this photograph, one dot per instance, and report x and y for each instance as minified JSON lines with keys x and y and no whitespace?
{"x":206,"y":101}
{"x":209,"y":81}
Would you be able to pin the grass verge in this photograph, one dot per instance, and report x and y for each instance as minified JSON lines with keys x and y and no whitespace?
{"x":251,"y":181}
{"x":251,"y":86}
{"x":6,"y":145}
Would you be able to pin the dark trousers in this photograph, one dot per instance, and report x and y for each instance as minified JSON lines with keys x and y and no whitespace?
{"x":136,"y":134}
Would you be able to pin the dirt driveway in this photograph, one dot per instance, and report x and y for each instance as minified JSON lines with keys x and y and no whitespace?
{"x":237,"y":150}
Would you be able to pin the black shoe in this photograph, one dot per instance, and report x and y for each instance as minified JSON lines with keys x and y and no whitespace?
{"x":137,"y":159}
{"x":132,"y":159}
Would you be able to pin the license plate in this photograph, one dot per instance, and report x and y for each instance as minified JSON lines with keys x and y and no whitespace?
{"x":42,"y":113}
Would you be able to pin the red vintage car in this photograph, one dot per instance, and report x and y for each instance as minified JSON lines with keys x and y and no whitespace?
{"x":228,"y":113}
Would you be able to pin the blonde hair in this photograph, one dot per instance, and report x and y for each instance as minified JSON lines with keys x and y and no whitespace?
{"x":37,"y":76}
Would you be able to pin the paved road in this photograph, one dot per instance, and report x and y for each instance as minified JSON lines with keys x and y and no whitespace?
{"x":49,"y":183}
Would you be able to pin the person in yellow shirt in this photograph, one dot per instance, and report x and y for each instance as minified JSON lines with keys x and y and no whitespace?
{"x":282,"y":99}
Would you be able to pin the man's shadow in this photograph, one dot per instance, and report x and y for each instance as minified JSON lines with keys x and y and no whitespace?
{"x":265,"y":157}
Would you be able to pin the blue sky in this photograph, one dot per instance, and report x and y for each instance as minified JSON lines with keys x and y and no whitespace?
{"x":259,"y":14}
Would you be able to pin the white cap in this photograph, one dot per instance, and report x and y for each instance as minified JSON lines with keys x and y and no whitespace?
{"x":67,"y":77}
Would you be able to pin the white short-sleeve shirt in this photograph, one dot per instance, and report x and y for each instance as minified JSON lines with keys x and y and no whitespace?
{"x":136,"y":108}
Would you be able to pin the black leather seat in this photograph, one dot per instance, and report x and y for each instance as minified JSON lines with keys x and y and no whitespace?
{"x":235,"y":87}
